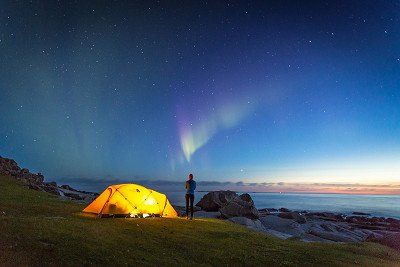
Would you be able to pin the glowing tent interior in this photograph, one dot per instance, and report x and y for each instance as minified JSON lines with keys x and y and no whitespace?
{"x":131,"y":200}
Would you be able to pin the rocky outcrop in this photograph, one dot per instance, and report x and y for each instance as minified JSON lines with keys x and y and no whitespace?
{"x":307,"y":226}
{"x":332,"y":227}
{"x":294,"y":216}
{"x":215,"y":200}
{"x":287,"y":227}
{"x":34,"y":181}
{"x":334,"y":236}
{"x":78,"y":195}
{"x":326,"y":216}
{"x":242,"y":206}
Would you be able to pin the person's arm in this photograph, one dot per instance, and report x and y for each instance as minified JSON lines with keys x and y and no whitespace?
{"x":186,"y":185}
{"x":194,"y":185}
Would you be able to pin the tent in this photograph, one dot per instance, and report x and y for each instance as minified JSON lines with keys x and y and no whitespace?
{"x":131,"y":200}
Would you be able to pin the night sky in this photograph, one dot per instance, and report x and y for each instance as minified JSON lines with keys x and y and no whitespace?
{"x":288,"y":91}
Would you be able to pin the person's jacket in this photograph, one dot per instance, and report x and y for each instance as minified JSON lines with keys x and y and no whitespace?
{"x":190,"y":187}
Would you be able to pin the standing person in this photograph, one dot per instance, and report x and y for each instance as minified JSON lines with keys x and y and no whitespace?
{"x":190,"y":186}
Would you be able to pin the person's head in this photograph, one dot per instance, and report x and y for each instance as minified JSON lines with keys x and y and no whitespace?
{"x":190,"y":176}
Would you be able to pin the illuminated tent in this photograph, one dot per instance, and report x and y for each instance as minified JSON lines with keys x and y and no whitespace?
{"x":131,"y":200}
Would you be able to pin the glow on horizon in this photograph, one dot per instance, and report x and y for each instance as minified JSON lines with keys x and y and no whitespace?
{"x":319,"y":188}
{"x":348,"y":176}
{"x":380,"y":170}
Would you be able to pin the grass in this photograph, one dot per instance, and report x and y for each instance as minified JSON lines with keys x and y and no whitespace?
{"x":39,"y":229}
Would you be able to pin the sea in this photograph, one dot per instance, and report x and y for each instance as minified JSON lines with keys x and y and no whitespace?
{"x":376,"y":205}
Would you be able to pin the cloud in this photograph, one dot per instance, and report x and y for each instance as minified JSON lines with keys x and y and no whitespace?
{"x":98,"y":185}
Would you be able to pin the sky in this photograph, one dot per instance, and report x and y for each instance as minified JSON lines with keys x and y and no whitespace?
{"x":297,"y":94}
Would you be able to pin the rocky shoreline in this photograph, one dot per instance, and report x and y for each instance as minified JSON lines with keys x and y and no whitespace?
{"x":36,"y":181}
{"x":305,"y":226}
{"x":283,"y":223}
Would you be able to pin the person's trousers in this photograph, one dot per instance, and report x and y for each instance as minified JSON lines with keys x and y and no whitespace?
{"x":189,"y":204}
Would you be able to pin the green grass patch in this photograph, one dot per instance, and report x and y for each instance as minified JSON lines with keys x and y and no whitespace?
{"x":40,"y":229}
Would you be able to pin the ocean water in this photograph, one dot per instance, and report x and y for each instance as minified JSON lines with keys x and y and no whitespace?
{"x":376,"y":205}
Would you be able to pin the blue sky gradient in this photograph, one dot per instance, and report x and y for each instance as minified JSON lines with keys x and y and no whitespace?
{"x":245,"y":91}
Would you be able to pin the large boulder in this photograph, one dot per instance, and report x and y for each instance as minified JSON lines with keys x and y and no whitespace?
{"x":242,"y":206}
{"x":215,"y":200}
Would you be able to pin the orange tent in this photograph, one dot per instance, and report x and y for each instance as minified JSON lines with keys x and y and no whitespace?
{"x":131,"y":200}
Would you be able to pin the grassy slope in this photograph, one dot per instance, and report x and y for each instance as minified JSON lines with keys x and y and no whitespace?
{"x":37,"y":228}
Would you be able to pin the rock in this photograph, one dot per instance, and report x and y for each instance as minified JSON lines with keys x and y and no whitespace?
{"x":284,"y":210}
{"x":278,"y":234}
{"x":252,"y":224}
{"x":271,"y":210}
{"x":35,"y":187}
{"x":67,"y":187}
{"x":352,"y":219}
{"x":15,"y":168}
{"x":50,"y":187}
{"x":326,"y":216}
{"x":74,"y":196}
{"x":263,"y":212}
{"x":334,"y":236}
{"x":23,"y":171}
{"x":283,"y":226}
{"x":39,"y":178}
{"x":392,"y":221}
{"x":361,"y":213}
{"x":294,"y":216}
{"x":242,"y":206}
{"x":328,"y":227}
{"x":53,"y":184}
{"x":34,"y":181}
{"x":215,"y":200}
